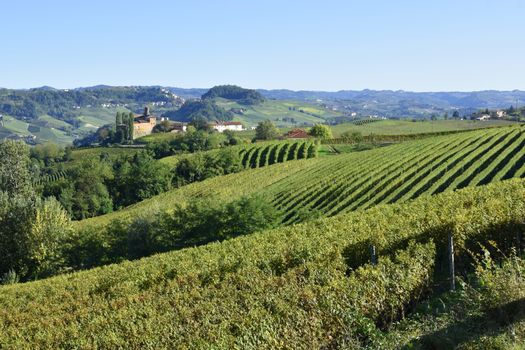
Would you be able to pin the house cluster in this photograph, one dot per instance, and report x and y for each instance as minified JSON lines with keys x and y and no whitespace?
{"x":217,"y":126}
{"x":145,"y":123}
{"x":486,"y":116}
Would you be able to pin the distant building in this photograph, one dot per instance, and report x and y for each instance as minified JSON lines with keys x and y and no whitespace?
{"x":483,"y":117}
{"x":501,"y":114}
{"x":222,"y":126}
{"x":297,"y":134}
{"x":181,"y":127}
{"x":143,"y":124}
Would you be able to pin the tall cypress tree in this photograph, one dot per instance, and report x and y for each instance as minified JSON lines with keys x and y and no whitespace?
{"x":118,"y":119}
{"x":130,"y":126}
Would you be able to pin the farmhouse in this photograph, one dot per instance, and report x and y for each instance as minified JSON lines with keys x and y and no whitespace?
{"x":143,"y":124}
{"x":296,"y":134}
{"x":179,"y":127}
{"x":222,"y":126}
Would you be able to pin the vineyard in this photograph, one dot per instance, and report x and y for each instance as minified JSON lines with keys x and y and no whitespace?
{"x":305,"y":286}
{"x":261,"y":154}
{"x":328,"y":186}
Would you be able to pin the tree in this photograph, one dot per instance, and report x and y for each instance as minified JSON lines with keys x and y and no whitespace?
{"x":433,"y":117}
{"x":354,"y":136}
{"x":118,"y":119}
{"x":200,"y":123}
{"x":138,"y":178}
{"x":84,"y":192}
{"x":15,"y":178}
{"x":131,"y":120}
{"x":266,"y":130}
{"x":320,"y":131}
{"x":50,"y":229}
{"x":31,"y":230}
{"x":455,"y":115}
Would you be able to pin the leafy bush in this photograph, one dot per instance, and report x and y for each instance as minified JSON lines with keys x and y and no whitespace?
{"x":198,"y":223}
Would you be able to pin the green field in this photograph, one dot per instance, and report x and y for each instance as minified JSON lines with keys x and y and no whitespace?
{"x":298,"y":287}
{"x":15,"y":125}
{"x":360,"y":180}
{"x":93,"y":118}
{"x":403,"y":127}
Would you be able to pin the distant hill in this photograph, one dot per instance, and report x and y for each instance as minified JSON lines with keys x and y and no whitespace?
{"x":198,"y":109}
{"x":61,"y":115}
{"x":235,"y":93}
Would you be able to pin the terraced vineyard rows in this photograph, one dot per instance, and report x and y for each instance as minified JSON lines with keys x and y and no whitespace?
{"x":261,"y":154}
{"x":354,"y":181}
{"x":401,"y":172}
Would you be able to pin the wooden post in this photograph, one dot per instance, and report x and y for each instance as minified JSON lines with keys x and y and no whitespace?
{"x":373,"y":256}
{"x":451,"y":262}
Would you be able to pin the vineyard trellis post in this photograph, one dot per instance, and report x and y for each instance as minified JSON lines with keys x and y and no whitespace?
{"x":373,"y":255}
{"x":451,"y":261}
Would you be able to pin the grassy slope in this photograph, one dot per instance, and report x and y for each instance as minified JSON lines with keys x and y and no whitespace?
{"x":273,"y":109}
{"x":330,"y":185}
{"x":90,"y":118}
{"x":401,"y":127}
{"x":285,"y":288}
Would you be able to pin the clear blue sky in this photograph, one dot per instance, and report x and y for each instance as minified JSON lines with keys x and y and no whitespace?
{"x":323,"y":45}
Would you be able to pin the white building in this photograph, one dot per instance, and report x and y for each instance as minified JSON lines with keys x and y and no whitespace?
{"x":233,"y":126}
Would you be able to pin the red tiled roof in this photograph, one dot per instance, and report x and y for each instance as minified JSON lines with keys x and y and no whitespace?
{"x":297,"y":134}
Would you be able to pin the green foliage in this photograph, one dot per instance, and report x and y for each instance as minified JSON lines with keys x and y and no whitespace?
{"x":32,"y":231}
{"x":84,"y":192}
{"x":320,"y":131}
{"x":10,"y":277}
{"x":46,"y":243}
{"x":353,"y":136}
{"x":201,"y":166}
{"x":137,"y":178}
{"x":266,"y":130}
{"x":130,"y":120}
{"x":16,"y":215}
{"x":235,"y":93}
{"x":15,"y":178}
{"x":198,"y":223}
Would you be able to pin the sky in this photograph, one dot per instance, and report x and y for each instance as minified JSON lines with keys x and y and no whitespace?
{"x":434,"y":45}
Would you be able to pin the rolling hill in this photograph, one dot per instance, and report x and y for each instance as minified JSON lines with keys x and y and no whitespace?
{"x":303,"y":286}
{"x":337,"y":184}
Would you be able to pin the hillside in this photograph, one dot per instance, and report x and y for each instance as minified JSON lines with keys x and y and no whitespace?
{"x":284,"y":114}
{"x":405,"y":127}
{"x":302,"y":287}
{"x":354,"y":181}
{"x":60,"y":116}
{"x":234,"y":93}
{"x":399,"y":103}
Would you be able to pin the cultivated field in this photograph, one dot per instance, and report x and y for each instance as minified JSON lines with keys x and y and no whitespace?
{"x":331,"y":185}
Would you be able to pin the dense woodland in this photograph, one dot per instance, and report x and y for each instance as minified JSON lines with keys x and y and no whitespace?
{"x":235,"y":93}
